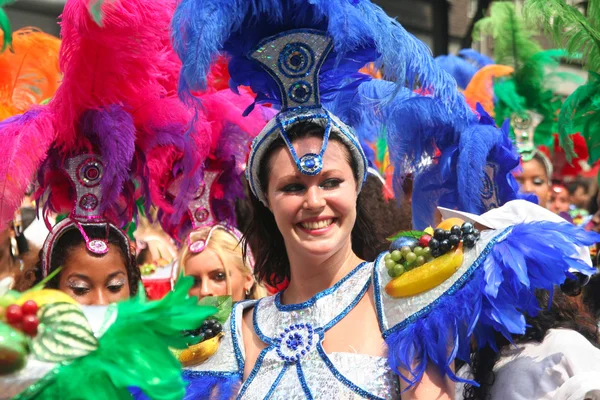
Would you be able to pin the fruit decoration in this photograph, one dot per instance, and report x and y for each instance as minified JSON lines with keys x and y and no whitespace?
{"x":45,"y":322}
{"x":426,"y":277}
{"x":428,"y":251}
{"x":209,"y":334}
{"x":147,"y":269}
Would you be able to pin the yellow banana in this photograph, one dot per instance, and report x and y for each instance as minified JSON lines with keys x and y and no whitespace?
{"x":45,"y":296}
{"x":427,"y":276}
{"x":200,"y":352}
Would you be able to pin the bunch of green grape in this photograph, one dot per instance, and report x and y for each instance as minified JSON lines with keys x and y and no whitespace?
{"x":400,"y":261}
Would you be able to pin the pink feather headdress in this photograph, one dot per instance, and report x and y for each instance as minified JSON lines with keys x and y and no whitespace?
{"x":117,"y":102}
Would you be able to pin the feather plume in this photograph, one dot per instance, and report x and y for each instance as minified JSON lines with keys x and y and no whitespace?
{"x":580,"y":36}
{"x":203,"y":29}
{"x":513,"y":38}
{"x":5,"y":25}
{"x":515,"y":46}
{"x":460,"y":69}
{"x":112,"y":132}
{"x":25,"y":143}
{"x":122,"y":62}
{"x":481,"y":88}
{"x":569,"y":27}
{"x":29,"y":74}
{"x":476,"y":58}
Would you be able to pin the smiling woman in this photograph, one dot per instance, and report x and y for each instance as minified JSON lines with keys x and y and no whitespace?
{"x":305,"y":209}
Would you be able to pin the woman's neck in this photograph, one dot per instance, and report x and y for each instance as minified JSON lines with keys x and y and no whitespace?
{"x":311,"y":276}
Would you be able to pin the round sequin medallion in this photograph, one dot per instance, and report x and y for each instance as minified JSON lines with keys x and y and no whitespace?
{"x":295,"y":342}
{"x":89,"y":172}
{"x":201,"y":214}
{"x":97,"y":246}
{"x":88,"y":202}
{"x":296,"y":60}
{"x":197,"y":246}
{"x":311,"y":164}
{"x":300,"y":92}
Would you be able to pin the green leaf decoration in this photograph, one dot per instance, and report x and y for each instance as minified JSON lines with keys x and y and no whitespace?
{"x":412,"y":234}
{"x":224,"y":304}
{"x":64,"y":334}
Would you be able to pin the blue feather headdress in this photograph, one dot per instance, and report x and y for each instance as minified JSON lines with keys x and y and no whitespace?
{"x":338,"y":38}
{"x":417,"y":104}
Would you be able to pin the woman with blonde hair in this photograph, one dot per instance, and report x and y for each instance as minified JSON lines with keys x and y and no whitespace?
{"x":220,"y":269}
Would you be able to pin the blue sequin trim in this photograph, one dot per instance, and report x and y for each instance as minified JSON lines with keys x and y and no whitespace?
{"x":303,"y":383}
{"x":454,"y":288}
{"x":313,"y":300}
{"x":277,"y":380}
{"x":351,"y":306}
{"x":254,"y":372}
{"x":342,"y":378}
{"x":234,"y":337}
{"x":377,"y":292}
{"x":200,"y":374}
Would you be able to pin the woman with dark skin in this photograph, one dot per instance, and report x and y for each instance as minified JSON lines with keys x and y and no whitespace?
{"x":535,"y":178}
{"x":94,"y":279}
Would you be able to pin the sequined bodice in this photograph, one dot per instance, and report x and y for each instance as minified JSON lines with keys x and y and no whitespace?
{"x":294,"y":364}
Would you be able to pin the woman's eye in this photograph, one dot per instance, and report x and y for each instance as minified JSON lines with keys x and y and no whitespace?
{"x":292,"y":188}
{"x":538,"y":181}
{"x":220,"y":276}
{"x":331,"y":183}
{"x":115,"y":288}
{"x":79,"y":290}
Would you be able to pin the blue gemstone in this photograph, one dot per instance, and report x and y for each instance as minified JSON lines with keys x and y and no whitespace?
{"x":303,"y":352}
{"x":287,"y":330}
{"x":301,"y":325}
{"x":310,"y":163}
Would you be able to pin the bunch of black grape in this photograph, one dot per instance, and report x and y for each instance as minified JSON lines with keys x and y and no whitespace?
{"x":209,"y":329}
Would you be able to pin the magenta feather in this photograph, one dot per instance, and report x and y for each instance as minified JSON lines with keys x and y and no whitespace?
{"x":124,"y":61}
{"x":25,"y":142}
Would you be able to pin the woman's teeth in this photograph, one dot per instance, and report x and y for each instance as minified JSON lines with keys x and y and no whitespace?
{"x":313,"y":226}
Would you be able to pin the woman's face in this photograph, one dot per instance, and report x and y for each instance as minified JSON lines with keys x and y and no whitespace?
{"x":559,"y":200}
{"x":315,"y":214}
{"x":95,"y":280}
{"x":210,"y":280}
{"x":533,"y":179}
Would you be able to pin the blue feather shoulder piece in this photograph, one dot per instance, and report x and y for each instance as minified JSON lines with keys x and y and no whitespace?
{"x":491,"y":292}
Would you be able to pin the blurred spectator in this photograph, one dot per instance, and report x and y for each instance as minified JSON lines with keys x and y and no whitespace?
{"x":579,"y":192}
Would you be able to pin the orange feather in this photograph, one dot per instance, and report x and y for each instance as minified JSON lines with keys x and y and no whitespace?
{"x":30,"y":73}
{"x":481,"y":88}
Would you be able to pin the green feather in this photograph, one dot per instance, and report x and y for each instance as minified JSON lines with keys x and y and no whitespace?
{"x":5,"y":25}
{"x":529,"y":87}
{"x":134,"y":351}
{"x":569,"y":27}
{"x":513,"y":39}
{"x":581,"y":113}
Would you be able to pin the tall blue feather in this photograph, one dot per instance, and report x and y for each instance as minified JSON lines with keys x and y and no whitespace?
{"x":494,"y":299}
{"x":459,"y":68}
{"x":203,"y":28}
{"x":476,"y":58}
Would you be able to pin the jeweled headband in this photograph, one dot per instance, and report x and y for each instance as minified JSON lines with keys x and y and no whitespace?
{"x":294,"y":60}
{"x":85,"y":173}
{"x":524,"y":128}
